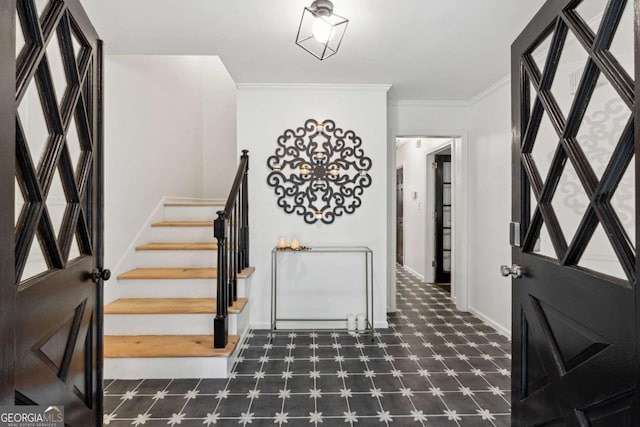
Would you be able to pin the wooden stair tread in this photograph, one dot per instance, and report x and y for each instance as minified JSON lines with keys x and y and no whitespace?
{"x":169,"y":273}
{"x":183,"y":224}
{"x":178,"y":273}
{"x":169,"y":306}
{"x":194,"y":246}
{"x":121,"y":346}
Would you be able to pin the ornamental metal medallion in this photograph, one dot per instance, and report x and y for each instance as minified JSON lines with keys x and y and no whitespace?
{"x":319,"y":171}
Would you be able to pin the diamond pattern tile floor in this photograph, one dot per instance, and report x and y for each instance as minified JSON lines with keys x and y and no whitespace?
{"x":434,"y":366}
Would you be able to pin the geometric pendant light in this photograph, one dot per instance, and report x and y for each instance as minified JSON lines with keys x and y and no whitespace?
{"x":321,"y":31}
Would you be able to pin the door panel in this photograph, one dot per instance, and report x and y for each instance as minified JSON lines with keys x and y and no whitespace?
{"x":574,"y":195}
{"x":443,"y":224}
{"x":400,"y":215}
{"x":7,"y":189}
{"x":57,"y":209}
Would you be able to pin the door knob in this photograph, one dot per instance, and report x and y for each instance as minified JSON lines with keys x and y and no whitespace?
{"x":98,"y":274}
{"x":513,"y":270}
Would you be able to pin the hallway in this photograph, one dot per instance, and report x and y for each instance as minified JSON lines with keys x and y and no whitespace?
{"x":434,"y":366}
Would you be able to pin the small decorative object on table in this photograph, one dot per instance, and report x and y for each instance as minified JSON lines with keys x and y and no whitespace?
{"x":294,"y":245}
{"x":282,"y":243}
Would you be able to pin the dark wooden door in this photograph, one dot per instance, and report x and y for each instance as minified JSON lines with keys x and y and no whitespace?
{"x":575,"y":312}
{"x":443,"y":218}
{"x":400,"y":216}
{"x":54,"y":139}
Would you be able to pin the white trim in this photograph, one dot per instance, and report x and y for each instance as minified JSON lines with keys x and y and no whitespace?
{"x":488,"y":91}
{"x":428,"y":103}
{"x":412,"y":271}
{"x":377,"y":324}
{"x":313,"y":86}
{"x":489,"y":321}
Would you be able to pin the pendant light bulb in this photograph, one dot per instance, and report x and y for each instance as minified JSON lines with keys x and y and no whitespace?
{"x":321,"y":30}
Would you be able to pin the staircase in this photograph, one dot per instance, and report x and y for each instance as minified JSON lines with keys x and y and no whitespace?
{"x":162,"y":326}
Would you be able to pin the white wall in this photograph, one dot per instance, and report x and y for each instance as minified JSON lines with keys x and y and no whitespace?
{"x":264,"y":113}
{"x":219,"y":133}
{"x":161,"y":124}
{"x":409,"y":117}
{"x":416,"y":210}
{"x":490,"y":199}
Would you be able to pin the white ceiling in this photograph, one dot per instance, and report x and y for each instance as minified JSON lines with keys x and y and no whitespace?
{"x":427,"y":49}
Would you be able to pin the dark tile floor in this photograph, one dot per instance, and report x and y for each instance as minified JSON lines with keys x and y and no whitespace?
{"x":434,"y":366}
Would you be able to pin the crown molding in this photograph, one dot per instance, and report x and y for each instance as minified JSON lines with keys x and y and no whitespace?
{"x":314,"y":86}
{"x":417,"y":103}
{"x":488,"y":91}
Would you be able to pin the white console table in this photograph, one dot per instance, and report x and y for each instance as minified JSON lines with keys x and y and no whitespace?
{"x":318,"y":251}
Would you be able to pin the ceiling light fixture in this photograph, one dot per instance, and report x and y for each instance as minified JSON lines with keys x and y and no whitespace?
{"x":321,"y":31}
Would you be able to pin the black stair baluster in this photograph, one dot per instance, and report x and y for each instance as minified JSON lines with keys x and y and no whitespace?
{"x":231,"y":229}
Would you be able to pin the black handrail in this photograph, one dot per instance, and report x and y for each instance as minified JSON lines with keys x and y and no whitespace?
{"x":231,"y":230}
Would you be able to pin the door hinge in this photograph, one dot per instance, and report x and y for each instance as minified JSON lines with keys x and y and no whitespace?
{"x":433,"y":263}
{"x":434,"y":165}
{"x":514,"y":234}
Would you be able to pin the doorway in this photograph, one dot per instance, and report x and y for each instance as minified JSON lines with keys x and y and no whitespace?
{"x":415,"y":156}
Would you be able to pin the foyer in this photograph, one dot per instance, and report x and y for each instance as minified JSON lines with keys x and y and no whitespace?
{"x":433,"y":366}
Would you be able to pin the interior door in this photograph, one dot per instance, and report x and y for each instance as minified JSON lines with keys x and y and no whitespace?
{"x":443,"y":218}
{"x":54,"y":297}
{"x":574,"y":228}
{"x":400,"y":215}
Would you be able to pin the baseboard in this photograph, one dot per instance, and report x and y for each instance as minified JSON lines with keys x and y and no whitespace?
{"x":233,"y":358}
{"x":489,"y":321}
{"x":412,"y":271}
{"x":378,"y":324}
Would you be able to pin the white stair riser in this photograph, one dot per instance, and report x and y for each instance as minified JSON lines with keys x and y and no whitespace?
{"x":182,"y":234}
{"x":241,"y":322}
{"x":167,"y":324}
{"x":174,"y":288}
{"x":186,"y":259}
{"x":167,"y":367}
{"x":191,"y":213}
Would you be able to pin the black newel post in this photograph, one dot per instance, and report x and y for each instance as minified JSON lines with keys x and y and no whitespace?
{"x":245,"y":210}
{"x":220,"y":324}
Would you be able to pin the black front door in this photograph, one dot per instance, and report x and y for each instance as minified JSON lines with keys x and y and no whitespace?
{"x":443,"y":218}
{"x":575,"y":309}
{"x":51,"y":303}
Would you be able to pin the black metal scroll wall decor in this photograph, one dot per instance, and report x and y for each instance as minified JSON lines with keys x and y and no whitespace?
{"x":319,"y":171}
